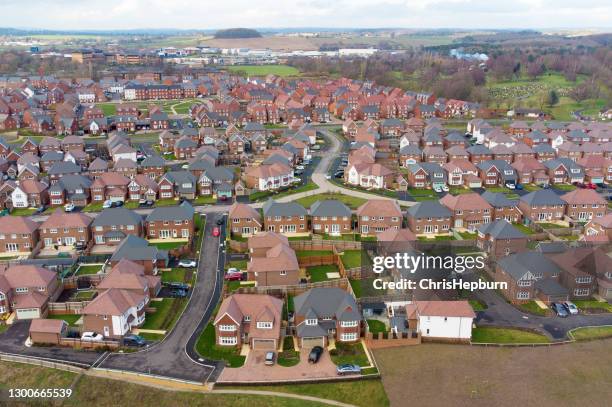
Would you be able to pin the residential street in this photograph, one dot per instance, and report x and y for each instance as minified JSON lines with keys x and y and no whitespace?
{"x":174,"y":356}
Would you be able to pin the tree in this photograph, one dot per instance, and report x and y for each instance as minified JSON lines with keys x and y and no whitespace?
{"x":553,"y":98}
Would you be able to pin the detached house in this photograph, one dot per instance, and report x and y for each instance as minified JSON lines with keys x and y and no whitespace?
{"x":65,"y":229}
{"x":289,"y":218}
{"x":27,"y":290}
{"x":171,"y":222}
{"x":322,"y":314}
{"x":277,"y":267}
{"x":469,"y":211}
{"x":115,"y":312}
{"x":564,"y":171}
{"x":255,"y":319}
{"x":244,"y":220}
{"x":542,"y":206}
{"x":441,"y":320}
{"x":499,"y":238}
{"x":112,"y":225}
{"x":331,"y":217}
{"x":429,"y":218}
{"x":267,"y":177}
{"x":584,"y":205}
{"x":378,"y":215}
{"x":18,"y":234}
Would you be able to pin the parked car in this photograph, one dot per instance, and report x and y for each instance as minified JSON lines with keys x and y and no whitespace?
{"x":437,"y":188}
{"x":445,"y":188}
{"x":146,"y":203}
{"x":134,"y":340}
{"x":116,"y":204}
{"x":187,"y":263}
{"x":233,"y":276}
{"x":559,"y":309}
{"x":219,"y":222}
{"x":69,"y":207}
{"x":571,"y":307}
{"x":40,"y":209}
{"x":216,"y":232}
{"x":327,"y":176}
{"x":520,"y":187}
{"x":510,"y":185}
{"x":177,"y":294}
{"x":91,"y":336}
{"x":178,"y":285}
{"x":348,"y":368}
{"x":270,"y":356}
{"x":299,"y":167}
{"x":315,"y":354}
{"x":107,"y":204}
{"x":590,"y":185}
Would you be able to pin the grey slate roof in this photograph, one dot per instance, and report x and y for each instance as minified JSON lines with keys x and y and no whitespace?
{"x":542,"y":197}
{"x":117,"y":216}
{"x":498,"y":199}
{"x":183,"y":211}
{"x":330,"y":207}
{"x":550,"y":286}
{"x":137,"y":249}
{"x":273,"y":208}
{"x":327,"y":302}
{"x":518,"y":265}
{"x":478,"y":149}
{"x":153,"y":161}
{"x":501,"y":229}
{"x":64,"y":167}
{"x":52,"y":156}
{"x":429,"y":209}
{"x":411,"y":149}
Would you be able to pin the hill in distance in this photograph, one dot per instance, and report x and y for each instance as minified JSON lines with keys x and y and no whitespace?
{"x":237,"y":33}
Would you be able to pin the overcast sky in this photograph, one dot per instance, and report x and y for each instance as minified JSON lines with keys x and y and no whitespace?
{"x":207,"y":14}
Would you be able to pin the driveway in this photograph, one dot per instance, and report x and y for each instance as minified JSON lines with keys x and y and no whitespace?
{"x":502,"y":314}
{"x":175,"y":355}
{"x":254,"y":369}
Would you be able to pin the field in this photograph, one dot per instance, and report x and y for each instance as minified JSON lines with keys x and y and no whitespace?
{"x":350,"y":201}
{"x":90,"y":391}
{"x":263,"y":70}
{"x":454,"y":375}
{"x":506,"y":335}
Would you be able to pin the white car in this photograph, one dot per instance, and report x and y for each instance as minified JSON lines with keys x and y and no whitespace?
{"x":445,"y":188}
{"x":187,"y":263}
{"x":571,"y":307}
{"x":510,"y":186}
{"x":91,"y":336}
{"x":327,"y":176}
{"x":185,"y":166}
{"x":232,"y":270}
{"x":437,"y":188}
{"x":69,"y":207}
{"x":107,"y":204}
{"x":299,"y":167}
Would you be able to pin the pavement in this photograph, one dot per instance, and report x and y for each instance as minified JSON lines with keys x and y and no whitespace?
{"x":254,"y":369}
{"x":175,"y":356}
{"x":500,"y":313}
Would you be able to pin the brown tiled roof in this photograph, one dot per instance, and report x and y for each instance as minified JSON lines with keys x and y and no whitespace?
{"x":465,"y":202}
{"x":49,"y":326}
{"x":60,"y":219}
{"x":379,"y":207}
{"x":240,"y":210}
{"x":278,"y":258}
{"x":32,"y":186}
{"x":23,"y":275}
{"x":113,"y":301}
{"x":583,"y":196}
{"x":17,"y":224}
{"x":440,"y":309}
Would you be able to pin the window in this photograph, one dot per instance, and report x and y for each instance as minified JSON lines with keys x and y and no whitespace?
{"x":349,"y":324}
{"x":311,"y":321}
{"x":522,"y":295}
{"x":264,"y":325}
{"x":21,"y":289}
{"x":227,"y":328}
{"x":228,"y":340}
{"x":348,"y":336}
{"x":584,"y":279}
{"x":581,"y":292}
{"x":247,"y":318}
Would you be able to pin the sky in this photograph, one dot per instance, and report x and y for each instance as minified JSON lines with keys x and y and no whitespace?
{"x":207,"y":14}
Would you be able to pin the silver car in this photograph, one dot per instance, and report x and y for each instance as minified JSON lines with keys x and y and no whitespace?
{"x":348,"y":368}
{"x":270,"y":358}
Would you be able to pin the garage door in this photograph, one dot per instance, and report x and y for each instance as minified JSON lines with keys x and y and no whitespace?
{"x":264,"y":344}
{"x":28,"y":313}
{"x":309,"y":343}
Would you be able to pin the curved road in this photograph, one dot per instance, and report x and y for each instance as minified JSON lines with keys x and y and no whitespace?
{"x":175,"y":355}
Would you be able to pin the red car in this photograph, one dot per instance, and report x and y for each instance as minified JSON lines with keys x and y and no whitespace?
{"x":591,"y":186}
{"x":233,"y":276}
{"x":216,"y":232}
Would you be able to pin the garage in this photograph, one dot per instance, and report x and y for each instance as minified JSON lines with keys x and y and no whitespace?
{"x":264,"y":344}
{"x":311,"y":342}
{"x":28,"y":313}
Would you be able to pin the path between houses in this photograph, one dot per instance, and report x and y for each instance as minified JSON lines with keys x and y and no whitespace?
{"x":287,"y":395}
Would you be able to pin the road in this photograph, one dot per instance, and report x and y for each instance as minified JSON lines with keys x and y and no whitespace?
{"x":175,"y":356}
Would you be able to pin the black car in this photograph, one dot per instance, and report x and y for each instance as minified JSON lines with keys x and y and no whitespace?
{"x":146,"y":204}
{"x":315,"y":354}
{"x":178,"y":285}
{"x":219,"y":221}
{"x":134,"y":340}
{"x":177,"y":294}
{"x":116,"y":204}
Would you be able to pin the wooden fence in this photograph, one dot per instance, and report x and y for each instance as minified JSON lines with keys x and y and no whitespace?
{"x":72,"y":282}
{"x":293,"y":290}
{"x":79,"y":344}
{"x":389,"y":339}
{"x":75,"y":307}
{"x":339,"y":245}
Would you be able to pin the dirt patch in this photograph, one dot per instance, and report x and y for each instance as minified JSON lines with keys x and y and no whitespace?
{"x":438,"y":375}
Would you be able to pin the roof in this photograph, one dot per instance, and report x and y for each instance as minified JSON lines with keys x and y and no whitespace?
{"x":583,"y":196}
{"x":273,"y":208}
{"x":498,"y":199}
{"x":542,"y":197}
{"x":464,"y":201}
{"x":326,"y":302}
{"x":428,"y":209}
{"x":278,"y":258}
{"x":330,"y":207}
{"x":183,"y":211}
{"x":50,"y":326}
{"x":501,"y":229}
{"x":528,"y":264}
{"x":379,"y":207}
{"x":114,"y":301}
{"x":25,"y":275}
{"x":61,"y":219}
{"x":117,"y":216}
{"x":266,"y":240}
{"x":456,"y":309}
{"x":258,"y":307}
{"x":17,"y":224}
{"x":137,"y":249}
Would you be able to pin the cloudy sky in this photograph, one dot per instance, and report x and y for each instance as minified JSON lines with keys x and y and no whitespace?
{"x":210,"y":14}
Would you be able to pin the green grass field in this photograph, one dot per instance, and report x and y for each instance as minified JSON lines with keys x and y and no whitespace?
{"x":88,"y":269}
{"x":506,"y":335}
{"x":375,"y":326}
{"x":351,"y":258}
{"x":533,"y":308}
{"x":70,"y":319}
{"x":263,"y":70}
{"x":350,"y":201}
{"x":349,"y":353}
{"x":589,"y":333}
{"x":319,"y":273}
{"x":207,"y":347}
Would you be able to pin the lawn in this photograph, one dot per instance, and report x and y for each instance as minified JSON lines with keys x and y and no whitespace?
{"x":468,"y":235}
{"x":207,"y":348}
{"x":345,"y":353}
{"x":204,"y":200}
{"x":23,"y":211}
{"x":86,"y":295}
{"x":352,"y":258}
{"x":264,"y":195}
{"x":312,"y":253}
{"x":70,"y":319}
{"x":234,"y":285}
{"x":531,"y":187}
{"x":175,"y":274}
{"x":350,"y":201}
{"x":151,"y":336}
{"x":564,"y":187}
{"x":547,"y":225}
{"x":356,"y":286}
{"x":239,"y":264}
{"x":506,"y":335}
{"x":169,"y":245}
{"x":459,"y":190}
{"x":319,"y":273}
{"x":165,"y":315}
{"x":289,"y":356}
{"x":263,"y":70}
{"x":589,"y":333}
{"x":88,"y":269}
{"x":478,"y":305}
{"x":376,"y":326}
{"x":93,"y":207}
{"x":362,"y":393}
{"x":593,"y":305}
{"x":109,"y":109}
{"x":525,"y":229}
{"x":533,"y":308}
